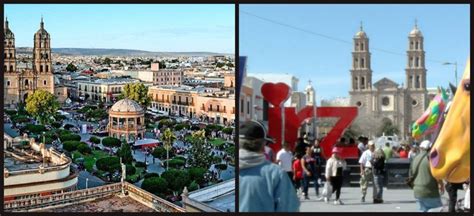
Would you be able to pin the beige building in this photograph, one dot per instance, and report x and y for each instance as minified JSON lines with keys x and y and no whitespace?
{"x":127,"y":120}
{"x":218,"y":107}
{"x":166,"y":76}
{"x":385,"y":98}
{"x":105,"y":90}
{"x":18,"y":84}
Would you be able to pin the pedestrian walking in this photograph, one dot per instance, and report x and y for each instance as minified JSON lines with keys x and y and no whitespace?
{"x":298,"y":173}
{"x":425,"y":187}
{"x":378,"y":164}
{"x":334,"y":168}
{"x":318,"y":155}
{"x":366,"y":174}
{"x":263,"y":186}
{"x":284,"y":159}
{"x":310,"y":172}
{"x":452,"y":190}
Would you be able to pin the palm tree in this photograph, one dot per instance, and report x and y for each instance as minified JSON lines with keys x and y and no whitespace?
{"x":169,"y":138}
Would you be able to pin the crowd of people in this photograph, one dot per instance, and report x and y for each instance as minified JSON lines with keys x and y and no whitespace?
{"x":276,"y":182}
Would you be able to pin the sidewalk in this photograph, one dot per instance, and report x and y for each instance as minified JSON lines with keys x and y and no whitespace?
{"x":395,"y":200}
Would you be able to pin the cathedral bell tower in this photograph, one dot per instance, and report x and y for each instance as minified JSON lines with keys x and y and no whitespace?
{"x":42,"y":51}
{"x":361,"y":73}
{"x":9,"y":64}
{"x":416,"y":74}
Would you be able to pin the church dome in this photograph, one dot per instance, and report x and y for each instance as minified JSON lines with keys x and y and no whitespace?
{"x":416,"y":33}
{"x":361,"y":34}
{"x":126,"y":105}
{"x":42,"y":33}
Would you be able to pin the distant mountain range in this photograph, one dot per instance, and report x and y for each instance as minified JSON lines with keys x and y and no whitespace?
{"x":116,"y":52}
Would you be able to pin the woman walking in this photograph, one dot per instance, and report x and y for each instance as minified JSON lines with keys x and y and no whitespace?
{"x":378,"y":164}
{"x":310,"y":172}
{"x":334,"y":167}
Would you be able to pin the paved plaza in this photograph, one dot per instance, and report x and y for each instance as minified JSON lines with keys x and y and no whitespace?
{"x":395,"y":200}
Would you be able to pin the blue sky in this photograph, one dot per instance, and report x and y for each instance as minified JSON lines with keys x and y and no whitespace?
{"x":273,"y":48}
{"x":172,"y":28}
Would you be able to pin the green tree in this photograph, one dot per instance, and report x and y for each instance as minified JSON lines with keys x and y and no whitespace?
{"x":137,"y":92}
{"x":159,"y":152}
{"x":84,"y":148}
{"x":177,"y":179}
{"x":71,"y":68}
{"x":193,"y":186}
{"x":388,"y":128}
{"x":108,"y":164}
{"x":42,"y":105}
{"x":200,"y":153}
{"x":71,"y":145}
{"x":111,"y":142}
{"x":168,"y":138}
{"x":197,"y":174}
{"x":125,"y":153}
{"x":155,"y":185}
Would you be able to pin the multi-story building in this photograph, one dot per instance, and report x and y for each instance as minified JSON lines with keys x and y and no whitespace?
{"x":105,"y":90}
{"x":216,"y":107}
{"x":166,"y":76}
{"x":21,"y":83}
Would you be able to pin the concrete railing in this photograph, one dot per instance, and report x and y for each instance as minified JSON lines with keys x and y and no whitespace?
{"x":151,"y":200}
{"x":67,"y":198}
{"x":78,"y":196}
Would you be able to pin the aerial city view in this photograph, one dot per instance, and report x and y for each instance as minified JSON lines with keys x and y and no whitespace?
{"x":125,"y":108}
{"x":360,"y":108}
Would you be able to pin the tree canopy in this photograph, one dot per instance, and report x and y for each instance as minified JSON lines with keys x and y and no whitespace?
{"x":137,"y":92}
{"x":42,"y":105}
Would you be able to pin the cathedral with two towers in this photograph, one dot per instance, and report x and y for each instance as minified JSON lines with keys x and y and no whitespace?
{"x":385,"y":99}
{"x":18,"y":84}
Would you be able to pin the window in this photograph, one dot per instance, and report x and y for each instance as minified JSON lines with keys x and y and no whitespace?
{"x":417,"y":62}
{"x":362,"y":63}
{"x":217,"y":108}
{"x":356,"y":83}
{"x":242,"y":107}
{"x":411,"y":45}
{"x":8,"y":83}
{"x":417,"y":45}
{"x":44,"y":82}
{"x":47,"y":68}
{"x":385,"y":101}
{"x":418,"y":82}
{"x":362,"y":46}
{"x":357,"y":47}
{"x":356,"y":62}
{"x":210,"y":107}
{"x":362,"y":83}
{"x":26,"y":82}
{"x":41,"y":68}
{"x":359,"y":104}
{"x":11,"y":68}
{"x":410,"y":63}
{"x":414,"y":102}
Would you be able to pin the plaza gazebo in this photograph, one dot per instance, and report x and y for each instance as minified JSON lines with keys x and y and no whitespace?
{"x":126,"y":120}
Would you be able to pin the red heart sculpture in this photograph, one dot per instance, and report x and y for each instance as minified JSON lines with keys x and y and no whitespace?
{"x":276,"y":94}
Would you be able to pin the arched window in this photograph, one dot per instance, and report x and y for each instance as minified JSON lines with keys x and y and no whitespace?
{"x":362,"y":63}
{"x":47,"y":68}
{"x":41,"y":68}
{"x":410,"y":63}
{"x":26,"y":82}
{"x":385,"y":101}
{"x":356,"y":83}
{"x":417,"y":62}
{"x":8,"y":83}
{"x":44,"y":82}
{"x":362,"y":46}
{"x":417,"y":84}
{"x":11,"y":68}
{"x":357,"y":47}
{"x":356,"y":62}
{"x":417,"y":45}
{"x":411,"y":45}
{"x":362,"y":83}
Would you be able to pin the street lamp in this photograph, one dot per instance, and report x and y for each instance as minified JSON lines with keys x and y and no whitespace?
{"x":455,"y":70}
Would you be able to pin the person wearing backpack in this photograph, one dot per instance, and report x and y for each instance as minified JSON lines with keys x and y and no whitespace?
{"x":378,"y":164}
{"x":425,"y":187}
